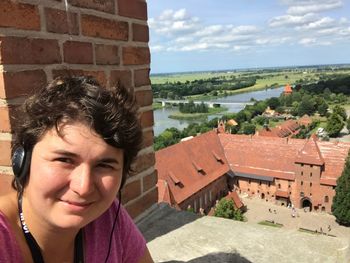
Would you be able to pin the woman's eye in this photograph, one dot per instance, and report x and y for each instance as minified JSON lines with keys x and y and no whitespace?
{"x":105,"y":166}
{"x":64,"y":160}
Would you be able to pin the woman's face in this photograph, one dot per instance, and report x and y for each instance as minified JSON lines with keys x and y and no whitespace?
{"x":74,"y":178}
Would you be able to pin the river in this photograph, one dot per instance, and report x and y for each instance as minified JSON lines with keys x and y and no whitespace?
{"x":161,"y":120}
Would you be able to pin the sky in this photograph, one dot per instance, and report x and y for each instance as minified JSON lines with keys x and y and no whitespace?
{"x":201,"y":35}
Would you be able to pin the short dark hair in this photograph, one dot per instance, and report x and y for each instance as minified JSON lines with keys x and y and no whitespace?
{"x":111,"y":113}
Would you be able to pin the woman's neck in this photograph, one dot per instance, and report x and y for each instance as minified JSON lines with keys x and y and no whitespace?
{"x":56,"y":244}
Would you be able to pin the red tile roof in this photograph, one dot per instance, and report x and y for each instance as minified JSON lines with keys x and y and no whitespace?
{"x":288,"y":89}
{"x":285,"y":129}
{"x":275,"y":157}
{"x":189,"y":166}
{"x":310,"y":153}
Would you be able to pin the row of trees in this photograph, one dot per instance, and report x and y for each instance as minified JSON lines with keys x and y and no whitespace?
{"x":212,"y":86}
{"x":191,"y":107}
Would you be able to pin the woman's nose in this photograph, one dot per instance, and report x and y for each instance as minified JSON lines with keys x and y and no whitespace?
{"x":82,"y":180}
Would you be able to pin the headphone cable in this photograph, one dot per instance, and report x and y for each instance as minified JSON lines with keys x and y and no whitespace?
{"x":114,"y":224}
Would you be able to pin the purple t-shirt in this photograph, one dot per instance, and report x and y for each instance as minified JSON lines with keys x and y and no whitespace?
{"x":128,"y":244}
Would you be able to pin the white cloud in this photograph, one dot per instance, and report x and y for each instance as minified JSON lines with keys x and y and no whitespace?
{"x":172,"y":22}
{"x":305,"y":7}
{"x":291,"y":20}
{"x":324,"y":22}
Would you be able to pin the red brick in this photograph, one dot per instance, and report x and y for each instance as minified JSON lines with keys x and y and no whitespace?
{"x":107,"y":55}
{"x":140,"y":33}
{"x":5,"y":156}
{"x":59,"y":21}
{"x":147,"y":119}
{"x":104,"y":6}
{"x":100,"y":76}
{"x":144,"y":97}
{"x":133,"y":8}
{"x":130,"y":191}
{"x":21,"y":16}
{"x":143,"y":162}
{"x":21,"y":83}
{"x":148,"y":138}
{"x":139,"y":206}
{"x":76,"y":52}
{"x":19,"y":50}
{"x":120,"y":77}
{"x":141,"y":77}
{"x":150,"y":181}
{"x":5,"y":119}
{"x":136,"y":55}
{"x":94,"y":26}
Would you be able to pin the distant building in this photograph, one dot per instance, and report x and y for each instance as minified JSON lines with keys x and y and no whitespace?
{"x":196,"y":173}
{"x":285,"y":129}
{"x":287,"y":90}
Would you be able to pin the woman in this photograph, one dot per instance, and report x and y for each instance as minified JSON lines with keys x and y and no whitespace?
{"x":72,"y":151}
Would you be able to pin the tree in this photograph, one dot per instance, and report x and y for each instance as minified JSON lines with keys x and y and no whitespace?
{"x":340,"y":111}
{"x":306,"y":106}
{"x":226,"y":209}
{"x":273,"y":103}
{"x":322,"y":108}
{"x":334,"y":125}
{"x":248,"y":128}
{"x":348,"y":124}
{"x":341,"y":200}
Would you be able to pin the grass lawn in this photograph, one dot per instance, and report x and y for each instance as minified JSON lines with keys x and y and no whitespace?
{"x":194,"y":116}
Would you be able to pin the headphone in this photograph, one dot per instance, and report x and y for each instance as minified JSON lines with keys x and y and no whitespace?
{"x":21,"y":162}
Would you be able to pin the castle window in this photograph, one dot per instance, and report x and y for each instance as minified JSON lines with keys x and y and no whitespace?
{"x":311,"y":166}
{"x":310,"y":184}
{"x":279,"y":186}
{"x":326,"y":199}
{"x":302,"y":165}
{"x":301,"y":183}
{"x":259,"y":182}
{"x":310,"y":174}
{"x":269,"y":184}
{"x":249,"y":181}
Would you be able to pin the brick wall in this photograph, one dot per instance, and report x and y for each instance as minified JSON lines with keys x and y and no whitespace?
{"x":40,"y":40}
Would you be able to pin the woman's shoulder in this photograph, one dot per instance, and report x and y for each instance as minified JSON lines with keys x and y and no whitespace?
{"x":128,"y":244}
{"x":9,"y":249}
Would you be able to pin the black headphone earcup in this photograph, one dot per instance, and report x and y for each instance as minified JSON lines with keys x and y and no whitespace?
{"x":21,"y":162}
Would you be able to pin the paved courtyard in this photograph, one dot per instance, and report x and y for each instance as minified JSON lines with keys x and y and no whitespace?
{"x":258,"y":210}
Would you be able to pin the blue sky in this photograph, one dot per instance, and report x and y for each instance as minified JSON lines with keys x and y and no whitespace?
{"x":196,"y":35}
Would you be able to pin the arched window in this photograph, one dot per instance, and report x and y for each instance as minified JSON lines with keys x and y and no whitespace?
{"x":279,"y":186}
{"x":326,"y":199}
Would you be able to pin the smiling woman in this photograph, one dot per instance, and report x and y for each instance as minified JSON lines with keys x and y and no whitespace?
{"x":73,"y":148}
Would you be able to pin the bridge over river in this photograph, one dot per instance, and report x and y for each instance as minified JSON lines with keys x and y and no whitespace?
{"x":209,"y":103}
